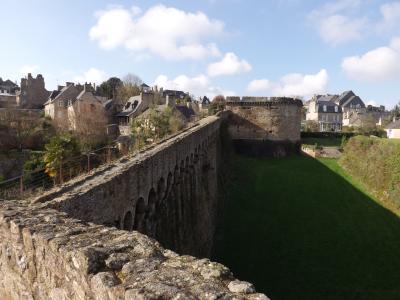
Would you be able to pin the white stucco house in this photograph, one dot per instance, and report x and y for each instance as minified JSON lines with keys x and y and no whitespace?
{"x":393,"y":130}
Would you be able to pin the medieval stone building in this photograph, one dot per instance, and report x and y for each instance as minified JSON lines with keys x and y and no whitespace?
{"x":75,"y":108}
{"x":265,"y":126}
{"x":33,"y":93}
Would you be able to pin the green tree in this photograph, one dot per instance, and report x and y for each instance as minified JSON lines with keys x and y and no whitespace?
{"x":395,"y":112}
{"x":154,"y":125}
{"x":110,"y":87}
{"x":60,"y":150}
{"x":312,"y":126}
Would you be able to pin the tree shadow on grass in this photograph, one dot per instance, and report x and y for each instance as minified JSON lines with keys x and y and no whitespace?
{"x":298,"y":230}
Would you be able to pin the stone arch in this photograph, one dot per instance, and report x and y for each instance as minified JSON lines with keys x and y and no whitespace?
{"x":187,"y":162}
{"x":169,"y":183}
{"x":161,"y":189}
{"x":176,"y":175}
{"x":150,"y":212}
{"x":128,"y":221}
{"x":139,"y":215}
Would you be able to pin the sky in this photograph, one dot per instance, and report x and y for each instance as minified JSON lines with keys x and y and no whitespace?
{"x":209,"y":47}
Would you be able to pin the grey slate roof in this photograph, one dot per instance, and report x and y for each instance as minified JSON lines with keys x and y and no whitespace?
{"x":330,"y":107}
{"x":108,"y":104}
{"x":174,"y":93}
{"x":130,"y":107}
{"x":327,"y":98}
{"x":354,"y":101}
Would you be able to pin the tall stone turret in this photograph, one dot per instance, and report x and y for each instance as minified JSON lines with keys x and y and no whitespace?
{"x":265,"y":125}
{"x":33,"y":93}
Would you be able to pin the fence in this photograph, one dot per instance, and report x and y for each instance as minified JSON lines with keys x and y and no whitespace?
{"x":38,"y":181}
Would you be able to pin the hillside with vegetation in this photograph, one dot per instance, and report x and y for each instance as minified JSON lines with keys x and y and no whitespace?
{"x":376,"y":163}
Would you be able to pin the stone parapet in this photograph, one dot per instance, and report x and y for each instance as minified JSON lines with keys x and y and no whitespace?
{"x":45,"y":254}
{"x":259,"y":101}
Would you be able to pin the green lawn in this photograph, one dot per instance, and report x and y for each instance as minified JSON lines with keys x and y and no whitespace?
{"x":300,"y":228}
{"x":326,"y":142}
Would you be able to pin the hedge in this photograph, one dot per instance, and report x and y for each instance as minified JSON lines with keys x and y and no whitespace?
{"x":328,"y":134}
{"x":376,"y":163}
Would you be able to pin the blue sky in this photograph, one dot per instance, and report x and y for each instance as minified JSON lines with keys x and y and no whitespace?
{"x":275,"y":47}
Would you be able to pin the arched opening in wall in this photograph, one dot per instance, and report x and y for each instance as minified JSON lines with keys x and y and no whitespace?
{"x":150,"y":213}
{"x":139,"y":215}
{"x":128,"y":221}
{"x":161,"y":189}
{"x":187,"y":162}
{"x":169,"y":184}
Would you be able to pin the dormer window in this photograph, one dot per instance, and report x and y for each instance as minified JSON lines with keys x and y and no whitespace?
{"x":324,"y":108}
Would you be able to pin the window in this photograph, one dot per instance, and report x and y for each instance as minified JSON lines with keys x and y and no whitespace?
{"x":336,"y":109}
{"x":324,"y":108}
{"x":60,"y":103}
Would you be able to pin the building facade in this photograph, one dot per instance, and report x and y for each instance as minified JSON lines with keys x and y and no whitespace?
{"x":33,"y":93}
{"x":326,"y":113}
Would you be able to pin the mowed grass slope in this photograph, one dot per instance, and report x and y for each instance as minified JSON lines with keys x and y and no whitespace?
{"x":298,"y":228}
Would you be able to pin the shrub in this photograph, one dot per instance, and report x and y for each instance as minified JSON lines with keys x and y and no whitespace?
{"x":58,"y":151}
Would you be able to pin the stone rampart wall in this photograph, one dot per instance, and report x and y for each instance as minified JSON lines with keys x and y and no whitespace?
{"x":45,"y":254}
{"x":77,"y":242}
{"x":83,"y":240}
{"x":168,"y":192}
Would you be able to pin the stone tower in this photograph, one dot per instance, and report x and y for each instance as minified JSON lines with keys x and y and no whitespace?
{"x":33,"y":93}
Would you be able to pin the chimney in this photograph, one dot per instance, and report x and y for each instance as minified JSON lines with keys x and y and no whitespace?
{"x":59,"y":87}
{"x":170,"y":101}
{"x":70,"y":83}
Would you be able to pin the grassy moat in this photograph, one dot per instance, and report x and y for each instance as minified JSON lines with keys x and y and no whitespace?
{"x":300,"y":228}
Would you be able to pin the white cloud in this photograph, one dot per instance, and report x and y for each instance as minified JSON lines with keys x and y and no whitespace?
{"x":292,"y":85}
{"x":334,"y":7}
{"x":92,"y":75}
{"x":29,"y":69}
{"x":259,"y":85}
{"x":379,"y":64}
{"x":164,"y":31}
{"x":336,"y":27}
{"x":199,"y":85}
{"x":390,"y":16}
{"x":229,"y":65}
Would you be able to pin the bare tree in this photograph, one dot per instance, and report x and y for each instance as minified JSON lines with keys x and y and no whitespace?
{"x":130,"y":87}
{"x":132,"y":79}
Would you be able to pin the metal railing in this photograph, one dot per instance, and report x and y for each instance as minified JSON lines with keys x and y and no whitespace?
{"x":34,"y":183}
{"x":37,"y":181}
